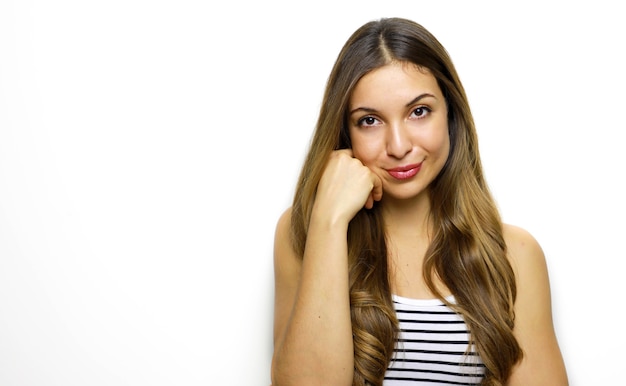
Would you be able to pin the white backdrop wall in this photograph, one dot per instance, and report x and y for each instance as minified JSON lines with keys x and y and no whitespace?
{"x":147,"y":149}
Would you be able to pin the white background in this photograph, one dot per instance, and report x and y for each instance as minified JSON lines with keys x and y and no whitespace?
{"x":147,"y":149}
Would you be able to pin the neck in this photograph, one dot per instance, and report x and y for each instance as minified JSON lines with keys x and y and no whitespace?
{"x":408,"y":217}
{"x":408,"y":228}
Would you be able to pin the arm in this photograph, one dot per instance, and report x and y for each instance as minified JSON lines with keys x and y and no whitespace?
{"x":312,"y":326}
{"x":542,"y":363}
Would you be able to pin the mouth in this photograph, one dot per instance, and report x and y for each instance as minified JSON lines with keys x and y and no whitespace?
{"x":405,"y":172}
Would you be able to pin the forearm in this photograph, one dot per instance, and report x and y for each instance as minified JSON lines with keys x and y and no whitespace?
{"x":317,"y":347}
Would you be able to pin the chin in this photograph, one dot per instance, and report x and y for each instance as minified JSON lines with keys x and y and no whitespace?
{"x":404,"y":195}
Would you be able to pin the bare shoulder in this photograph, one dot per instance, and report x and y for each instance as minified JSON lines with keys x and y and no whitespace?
{"x":284,"y":223}
{"x":529,"y":265}
{"x":519,"y":240}
{"x":531,"y":271}
{"x":282,"y":236}
{"x":542,"y":363}
{"x":524,"y":250}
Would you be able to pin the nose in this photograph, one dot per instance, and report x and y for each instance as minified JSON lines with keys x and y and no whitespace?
{"x":398,"y":141}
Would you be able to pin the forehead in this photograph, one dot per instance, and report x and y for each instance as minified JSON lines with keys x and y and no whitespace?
{"x":395,"y":80}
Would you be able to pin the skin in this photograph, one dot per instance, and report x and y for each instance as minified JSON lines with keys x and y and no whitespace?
{"x":534,"y":329}
{"x":397,"y":117}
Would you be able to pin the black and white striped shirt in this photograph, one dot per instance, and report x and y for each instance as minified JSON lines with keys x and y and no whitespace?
{"x":431,"y":346}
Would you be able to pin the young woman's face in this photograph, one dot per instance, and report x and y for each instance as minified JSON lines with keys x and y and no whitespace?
{"x":399,"y":128}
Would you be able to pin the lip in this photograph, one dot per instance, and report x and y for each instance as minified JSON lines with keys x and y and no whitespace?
{"x":405,"y":172}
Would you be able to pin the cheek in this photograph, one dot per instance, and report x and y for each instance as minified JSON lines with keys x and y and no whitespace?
{"x":439,"y":141}
{"x":365,"y":149}
{"x":444,"y":144}
{"x":362,"y":154}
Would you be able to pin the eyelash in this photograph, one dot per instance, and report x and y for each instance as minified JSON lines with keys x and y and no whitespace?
{"x":361,"y":122}
{"x":425,"y":111}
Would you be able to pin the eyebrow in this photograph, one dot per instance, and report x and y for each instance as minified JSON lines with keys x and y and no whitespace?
{"x":412,"y":102}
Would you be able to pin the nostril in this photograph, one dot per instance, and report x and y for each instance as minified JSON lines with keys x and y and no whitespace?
{"x":398,"y":145}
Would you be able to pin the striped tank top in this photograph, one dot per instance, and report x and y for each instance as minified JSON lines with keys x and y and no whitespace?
{"x":431,"y":346}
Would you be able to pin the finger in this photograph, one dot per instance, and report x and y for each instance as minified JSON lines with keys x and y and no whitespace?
{"x":348,"y":152}
{"x":369,"y":204}
{"x":377,"y":190}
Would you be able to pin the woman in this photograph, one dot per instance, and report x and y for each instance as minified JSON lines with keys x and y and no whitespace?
{"x":392,"y":267}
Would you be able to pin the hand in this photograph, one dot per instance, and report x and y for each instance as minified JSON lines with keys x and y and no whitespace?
{"x":347,"y":186}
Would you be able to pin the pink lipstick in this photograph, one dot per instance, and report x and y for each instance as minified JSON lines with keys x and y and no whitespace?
{"x":405,"y":172}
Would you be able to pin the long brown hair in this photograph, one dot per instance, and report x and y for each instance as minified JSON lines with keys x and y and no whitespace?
{"x":467,"y":251}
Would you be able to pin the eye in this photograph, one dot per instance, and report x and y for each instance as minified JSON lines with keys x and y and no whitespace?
{"x":367,"y":121}
{"x":421,"y":112}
